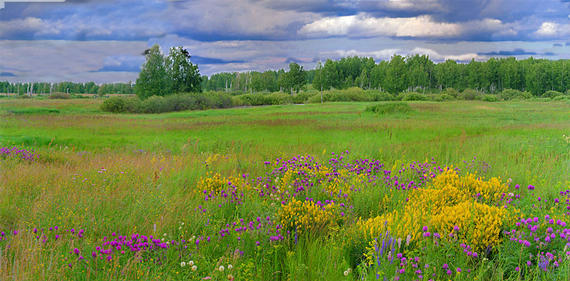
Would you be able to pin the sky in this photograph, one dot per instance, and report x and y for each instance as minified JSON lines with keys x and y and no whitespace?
{"x":103,"y":40}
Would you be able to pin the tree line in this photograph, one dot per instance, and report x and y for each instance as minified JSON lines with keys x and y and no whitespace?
{"x":66,"y":87}
{"x":411,"y":73}
{"x":174,"y":73}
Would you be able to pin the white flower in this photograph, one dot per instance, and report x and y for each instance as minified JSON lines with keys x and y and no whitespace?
{"x":221,"y":268}
{"x":191,"y":263}
{"x":349,"y":270}
{"x":180,"y":228}
{"x":164,"y":234}
{"x":194,"y":268}
{"x":346,"y":273}
{"x":230,"y":267}
{"x":182,"y":223}
{"x":182,"y":264}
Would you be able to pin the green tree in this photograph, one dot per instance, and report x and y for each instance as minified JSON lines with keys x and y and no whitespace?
{"x":153,"y":78}
{"x":184,"y":75}
{"x":294,"y":79}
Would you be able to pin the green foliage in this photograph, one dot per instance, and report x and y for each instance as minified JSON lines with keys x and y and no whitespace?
{"x":162,"y":75}
{"x":389,"y":108}
{"x":303,"y":97}
{"x":412,"y":96}
{"x":451,"y":92}
{"x":511,"y":94}
{"x":469,"y":94}
{"x":119,"y":104}
{"x":551,"y":94}
{"x":170,"y":103}
{"x":441,"y":97}
{"x":59,"y":95}
{"x":489,"y":98}
{"x":294,"y":79}
{"x":153,"y":79}
{"x":184,"y":76}
{"x":265,"y":99}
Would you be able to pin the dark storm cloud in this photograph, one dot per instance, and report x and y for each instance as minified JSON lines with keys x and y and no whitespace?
{"x":7,"y":74}
{"x":516,"y":52}
{"x":207,"y":60}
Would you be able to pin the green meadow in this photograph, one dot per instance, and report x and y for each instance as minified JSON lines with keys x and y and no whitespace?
{"x":147,"y":174}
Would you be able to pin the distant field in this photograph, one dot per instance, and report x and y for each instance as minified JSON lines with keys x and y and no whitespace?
{"x":128,"y":173}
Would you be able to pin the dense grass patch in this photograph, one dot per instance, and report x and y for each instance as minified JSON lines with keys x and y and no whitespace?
{"x":389,"y":108}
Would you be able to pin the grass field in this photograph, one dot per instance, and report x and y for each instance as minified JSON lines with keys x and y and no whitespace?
{"x":194,"y":178}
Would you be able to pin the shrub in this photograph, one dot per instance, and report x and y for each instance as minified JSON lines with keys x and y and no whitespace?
{"x":510,"y":94}
{"x":253,"y":99}
{"x":388,"y":108}
{"x":450,"y":91}
{"x":551,"y":94}
{"x":469,"y":94}
{"x":412,"y":96}
{"x":304,"y":97}
{"x":379,"y":96}
{"x":154,"y":104}
{"x":488,"y":98}
{"x":559,"y":98}
{"x":278,"y":98}
{"x":116,"y":105}
{"x":441,"y":97}
{"x":59,"y":95}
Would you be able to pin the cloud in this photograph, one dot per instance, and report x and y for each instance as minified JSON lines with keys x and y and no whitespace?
{"x":7,"y":74}
{"x":234,"y":20}
{"x":557,"y":44}
{"x":56,"y":60}
{"x":516,"y":52}
{"x":122,"y":64}
{"x":365,"y":25}
{"x":206,"y":60}
{"x":87,"y":20}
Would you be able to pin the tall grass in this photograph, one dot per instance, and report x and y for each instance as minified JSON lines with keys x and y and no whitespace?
{"x":141,"y":174}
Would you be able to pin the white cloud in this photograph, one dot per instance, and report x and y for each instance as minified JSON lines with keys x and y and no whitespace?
{"x":364,"y":25}
{"x":551,"y":29}
{"x":547,"y":29}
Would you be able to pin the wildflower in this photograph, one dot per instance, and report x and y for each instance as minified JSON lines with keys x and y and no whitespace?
{"x":191,"y":263}
{"x":182,"y":264}
{"x":194,"y":268}
{"x":345,"y":273}
{"x":230,"y":267}
{"x":221,"y":268}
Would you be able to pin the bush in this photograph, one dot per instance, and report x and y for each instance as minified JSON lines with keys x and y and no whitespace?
{"x":178,"y":102}
{"x":450,"y":91}
{"x":304,"y":97}
{"x":469,"y":94}
{"x":412,"y":96}
{"x":388,"y":108}
{"x":559,"y":98}
{"x":379,"y":96}
{"x":154,"y":104}
{"x":441,"y":97}
{"x":253,"y":99}
{"x":489,"y":98}
{"x":59,"y":95}
{"x":120,"y":104}
{"x":511,"y":94}
{"x":551,"y":94}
